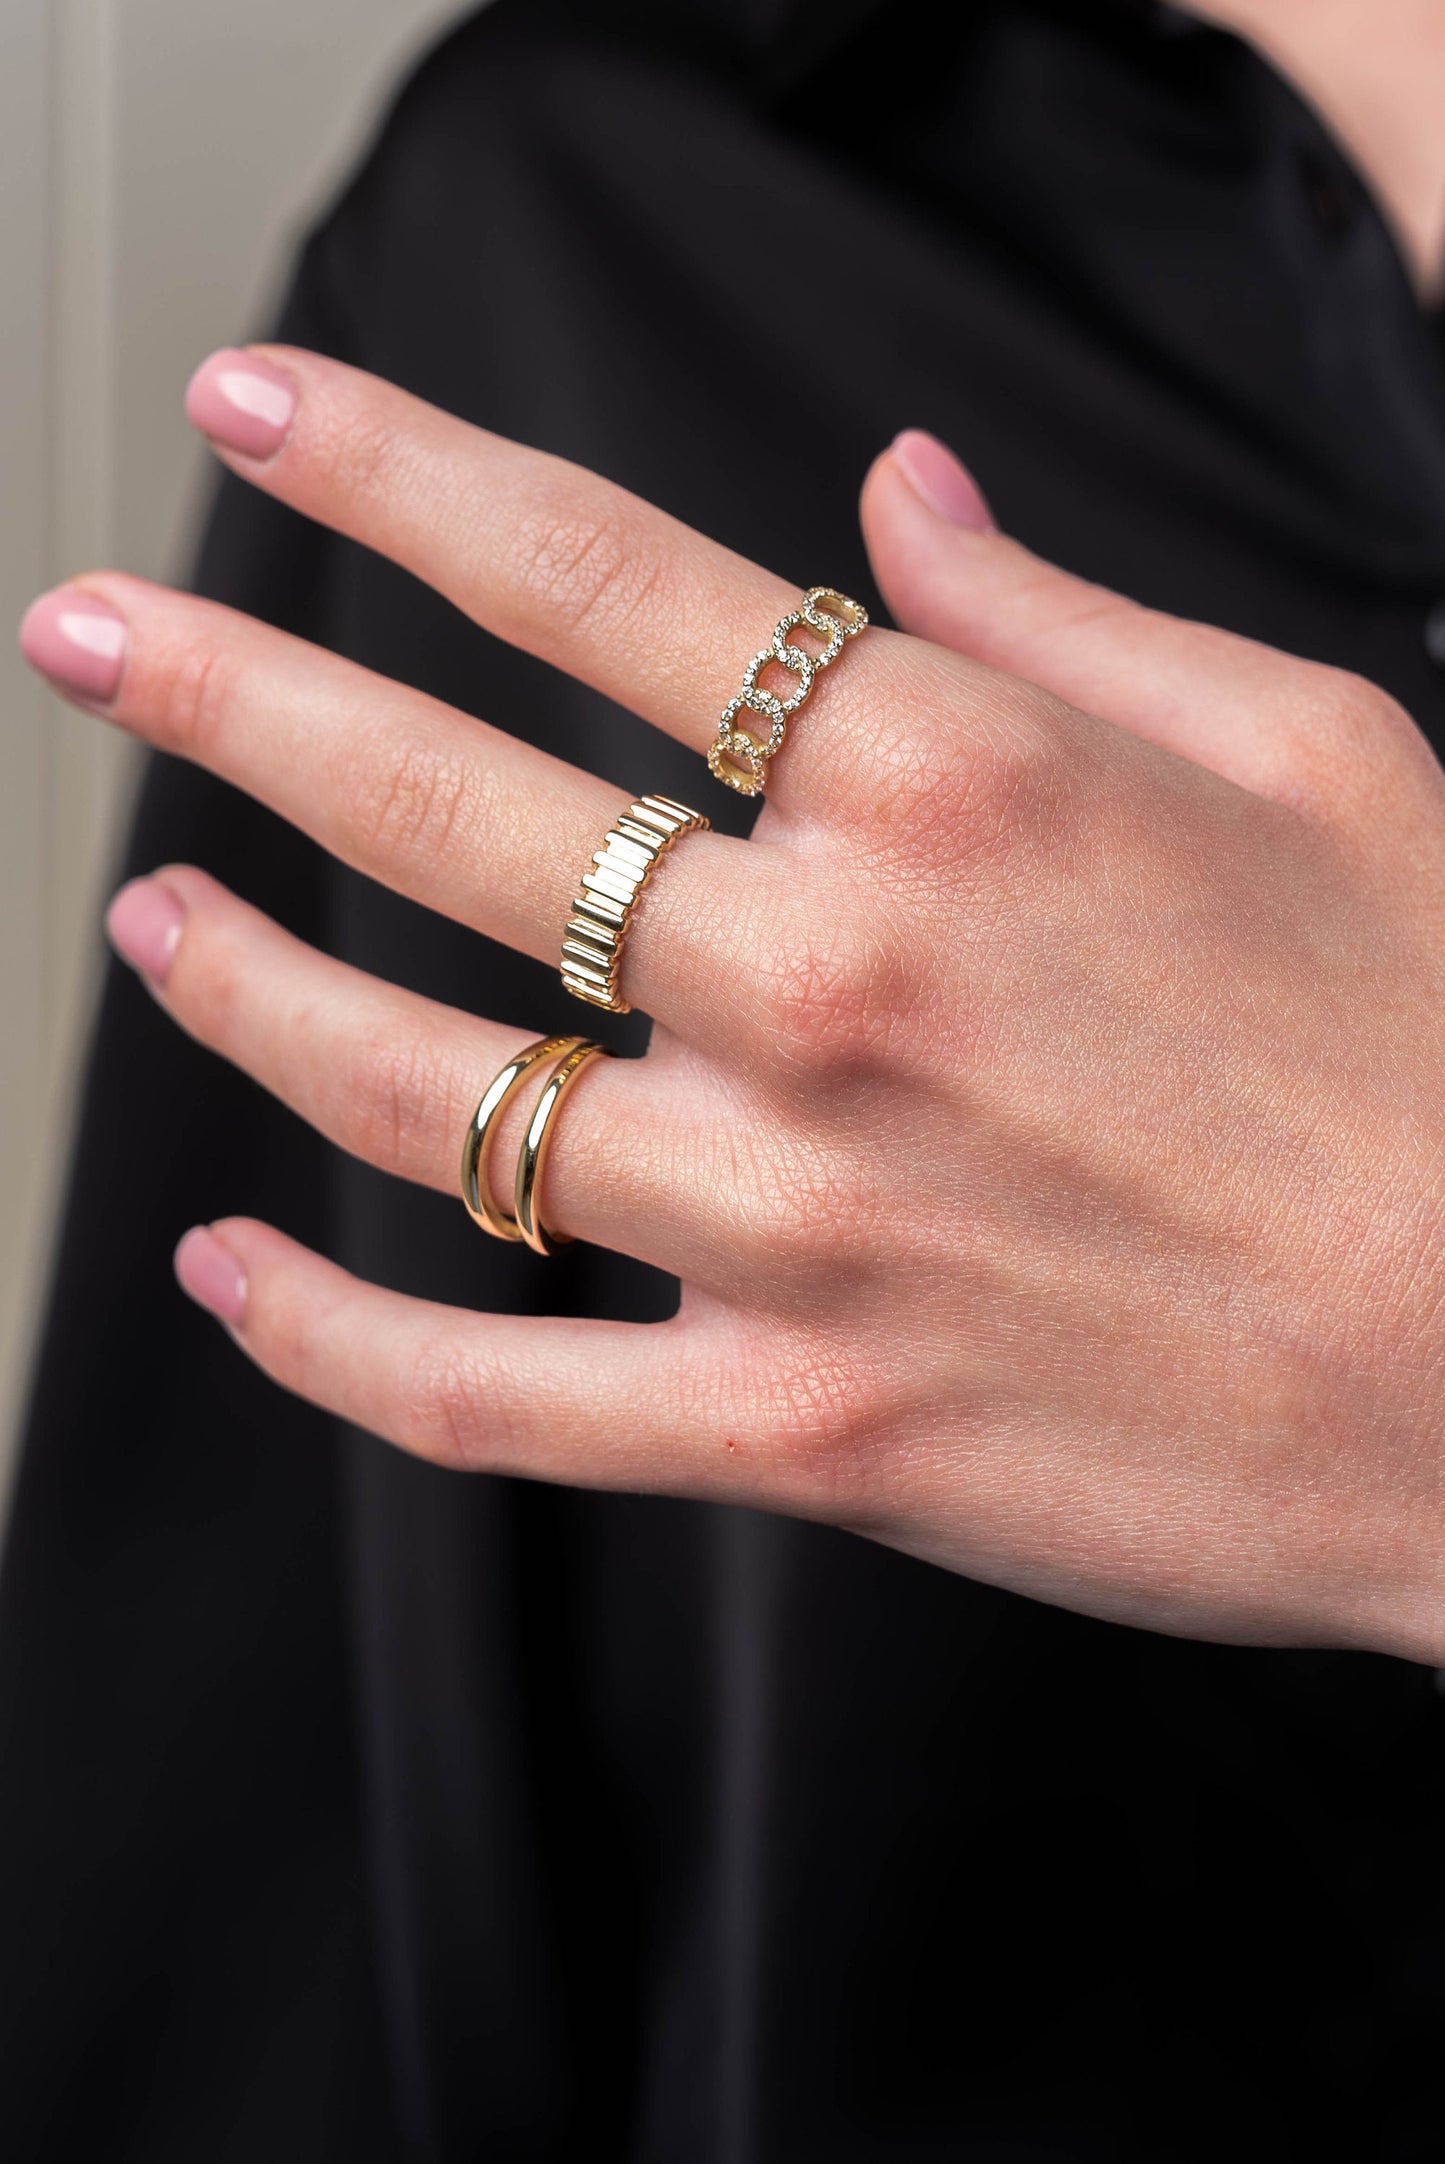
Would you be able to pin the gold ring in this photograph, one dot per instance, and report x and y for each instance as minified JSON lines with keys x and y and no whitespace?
{"x":602,"y":909}
{"x":477,"y":1193}
{"x":532,"y":1158}
{"x":737,"y":756}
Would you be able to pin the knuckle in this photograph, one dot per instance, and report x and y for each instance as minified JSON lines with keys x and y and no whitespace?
{"x":207,"y":981}
{"x":191,"y":693}
{"x":921,"y":779}
{"x":362,"y":455}
{"x":955,"y":759}
{"x":827,"y":998}
{"x":1351,"y":700}
{"x":819,"y":1419}
{"x":287,"y":1337}
{"x":1335,"y":712}
{"x":1374,"y":722}
{"x":903,"y":766}
{"x":398,"y":1101}
{"x":442,"y":1415}
{"x":805,"y":1214}
{"x":1017,"y":784}
{"x":1330,"y":724}
{"x":412,"y":801}
{"x":586,"y":570}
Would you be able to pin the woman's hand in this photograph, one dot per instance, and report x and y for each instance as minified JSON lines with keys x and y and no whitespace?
{"x":1045,"y":1111}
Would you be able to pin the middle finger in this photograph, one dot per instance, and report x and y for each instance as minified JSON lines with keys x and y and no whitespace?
{"x":448,"y":810}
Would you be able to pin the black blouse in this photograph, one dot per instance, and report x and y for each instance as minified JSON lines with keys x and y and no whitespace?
{"x":352,"y":1810}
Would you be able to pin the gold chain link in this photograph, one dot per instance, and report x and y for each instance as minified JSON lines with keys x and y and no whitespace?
{"x":738,"y":757}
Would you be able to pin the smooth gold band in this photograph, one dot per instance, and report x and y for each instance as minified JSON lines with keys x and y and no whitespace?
{"x":532,"y":1158}
{"x":737,"y":756}
{"x":602,"y":909}
{"x":477,"y":1194}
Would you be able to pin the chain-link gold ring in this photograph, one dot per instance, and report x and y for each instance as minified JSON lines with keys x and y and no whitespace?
{"x":737,"y":755}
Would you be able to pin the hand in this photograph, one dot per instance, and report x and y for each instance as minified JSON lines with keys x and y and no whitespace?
{"x":1044,"y":1112}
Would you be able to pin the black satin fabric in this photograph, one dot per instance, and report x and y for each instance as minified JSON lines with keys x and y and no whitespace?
{"x":352,"y":1810}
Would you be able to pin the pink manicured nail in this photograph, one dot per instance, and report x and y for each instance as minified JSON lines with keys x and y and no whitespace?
{"x":242,"y":401}
{"x":76,"y":641}
{"x":212,"y":1276}
{"x":933,"y":473}
{"x":144,"y":922}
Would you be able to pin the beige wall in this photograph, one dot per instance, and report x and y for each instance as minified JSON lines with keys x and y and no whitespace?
{"x":156,"y":157}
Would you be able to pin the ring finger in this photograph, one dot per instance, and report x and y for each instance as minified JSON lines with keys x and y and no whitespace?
{"x":394,"y":1078}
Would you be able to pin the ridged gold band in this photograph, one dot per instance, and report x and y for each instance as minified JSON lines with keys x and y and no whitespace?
{"x":532,"y":1158}
{"x":602,"y":909}
{"x":736,"y":756}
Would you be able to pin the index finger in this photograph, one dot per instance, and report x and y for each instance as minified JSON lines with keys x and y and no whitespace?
{"x":550,"y":557}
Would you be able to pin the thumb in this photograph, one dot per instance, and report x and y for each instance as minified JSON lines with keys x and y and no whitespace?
{"x":1276,"y":725}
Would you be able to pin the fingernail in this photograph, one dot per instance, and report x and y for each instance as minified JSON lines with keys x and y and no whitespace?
{"x":144,"y":922}
{"x":212,"y":1276}
{"x":947,"y":487}
{"x":77,"y":641}
{"x":243,"y":402}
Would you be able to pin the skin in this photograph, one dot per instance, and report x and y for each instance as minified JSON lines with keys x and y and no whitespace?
{"x":1375,"y":71}
{"x":1051,"y":1147}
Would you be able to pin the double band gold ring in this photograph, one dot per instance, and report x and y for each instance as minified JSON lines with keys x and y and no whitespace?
{"x":569,"y":1055}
